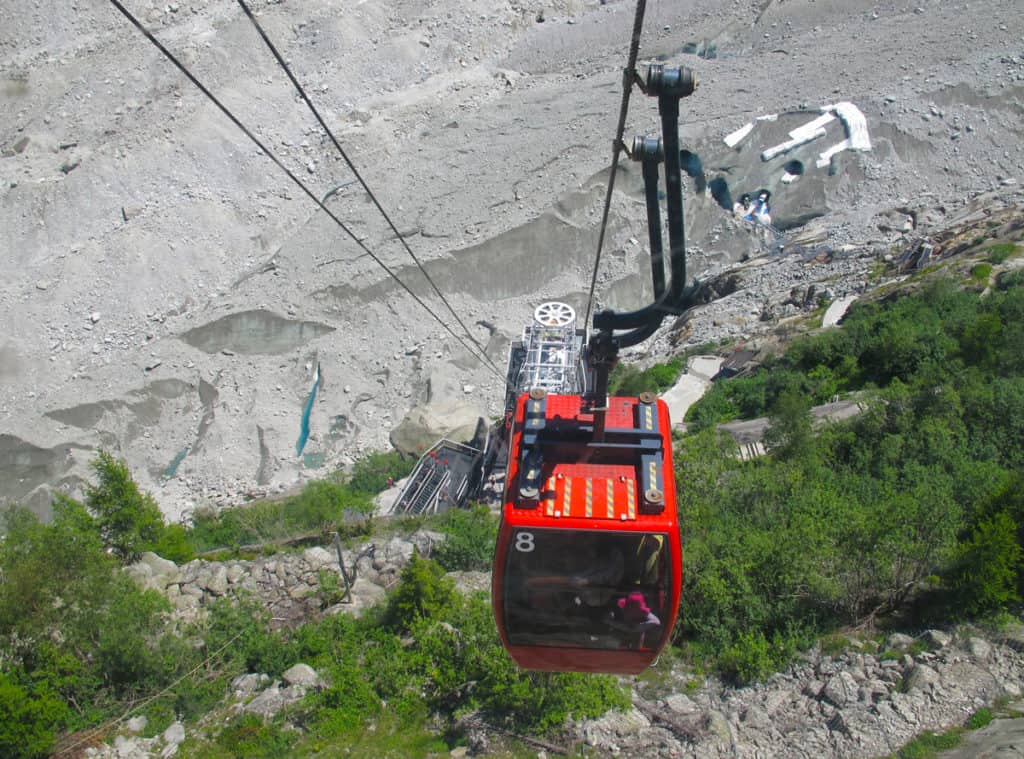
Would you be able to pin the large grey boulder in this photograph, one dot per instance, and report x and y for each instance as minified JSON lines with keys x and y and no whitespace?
{"x":425,"y":425}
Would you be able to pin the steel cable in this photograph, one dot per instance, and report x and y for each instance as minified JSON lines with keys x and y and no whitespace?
{"x":248,"y":133}
{"x":302,"y":93}
{"x":628,"y":77}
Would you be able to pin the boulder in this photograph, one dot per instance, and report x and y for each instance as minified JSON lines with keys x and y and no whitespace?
{"x":173,"y":736}
{"x":217,"y":580}
{"x":161,"y":567}
{"x":921,"y":677}
{"x":272,"y":700}
{"x":936,"y":638}
{"x":318,"y":558}
{"x":425,"y":425}
{"x":426,"y":541}
{"x":302,"y":675}
{"x":245,"y":685}
{"x":841,"y":689}
{"x":898,"y":642}
{"x":979,"y":648}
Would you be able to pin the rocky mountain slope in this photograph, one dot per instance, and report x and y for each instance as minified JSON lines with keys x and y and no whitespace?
{"x":853,"y":698}
{"x":168,"y":295}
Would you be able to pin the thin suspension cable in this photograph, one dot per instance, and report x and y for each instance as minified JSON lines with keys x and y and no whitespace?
{"x":245,"y":130}
{"x":628,"y":75}
{"x":302,"y":93}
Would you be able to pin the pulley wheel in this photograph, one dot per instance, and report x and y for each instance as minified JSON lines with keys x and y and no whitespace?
{"x":554,"y":314}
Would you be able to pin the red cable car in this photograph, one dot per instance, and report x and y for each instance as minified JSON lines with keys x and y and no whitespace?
{"x":588,"y":565}
{"x":588,"y":562}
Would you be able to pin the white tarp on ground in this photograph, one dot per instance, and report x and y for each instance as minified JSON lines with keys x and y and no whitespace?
{"x":856,"y":125}
{"x":853,"y":120}
{"x":803,"y":134}
{"x":735,"y":138}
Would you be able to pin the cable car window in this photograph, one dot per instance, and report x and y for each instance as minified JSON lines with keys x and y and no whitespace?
{"x":587,"y":589}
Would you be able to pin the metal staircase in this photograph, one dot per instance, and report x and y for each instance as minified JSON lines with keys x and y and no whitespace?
{"x":443,"y":478}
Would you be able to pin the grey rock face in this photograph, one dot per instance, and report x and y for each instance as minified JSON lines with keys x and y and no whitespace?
{"x":841,"y":689}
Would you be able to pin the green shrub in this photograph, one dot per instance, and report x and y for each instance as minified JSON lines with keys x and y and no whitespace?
{"x":1009,"y":280}
{"x":927,"y":745}
{"x":174,"y":544}
{"x":423,"y":592}
{"x":471,"y":534}
{"x":329,"y":588}
{"x":370,"y":475}
{"x":981,"y":272}
{"x":989,"y":565}
{"x":239,"y":630}
{"x":27,"y":721}
{"x":129,"y":521}
{"x":321,"y":505}
{"x":627,"y":380}
{"x":1000,"y":252}
{"x":748,"y":659}
{"x":249,"y":737}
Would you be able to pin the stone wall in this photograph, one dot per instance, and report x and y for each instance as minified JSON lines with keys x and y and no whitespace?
{"x":287,"y":584}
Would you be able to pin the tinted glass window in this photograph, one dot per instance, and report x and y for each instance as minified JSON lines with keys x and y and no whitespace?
{"x":588,"y":589}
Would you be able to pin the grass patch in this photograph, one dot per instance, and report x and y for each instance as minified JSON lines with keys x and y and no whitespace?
{"x":343,"y":503}
{"x":627,"y":380}
{"x":929,"y":744}
{"x":981,"y":272}
{"x":980,"y":718}
{"x":1001,"y":251}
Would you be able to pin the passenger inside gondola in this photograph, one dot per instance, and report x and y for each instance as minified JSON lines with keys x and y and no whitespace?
{"x":588,"y":589}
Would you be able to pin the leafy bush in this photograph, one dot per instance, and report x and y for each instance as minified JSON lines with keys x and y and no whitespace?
{"x":916,"y":494}
{"x":981,"y":272}
{"x":471,"y":537}
{"x":27,"y":721}
{"x":627,"y":380}
{"x":370,"y":475}
{"x":1000,"y":252}
{"x":989,"y":565}
{"x":1010,"y":279}
{"x":174,"y":544}
{"x":239,"y":629}
{"x":129,"y":521}
{"x":748,"y":659}
{"x":323,"y":505}
{"x":423,"y":592}
{"x":249,"y":737}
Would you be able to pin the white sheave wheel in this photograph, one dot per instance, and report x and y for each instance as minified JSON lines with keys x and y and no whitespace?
{"x":554,"y":314}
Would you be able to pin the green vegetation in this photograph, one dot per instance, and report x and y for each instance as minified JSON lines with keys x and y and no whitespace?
{"x":1001,"y":251}
{"x":470,"y":542}
{"x":627,"y":380}
{"x":343,"y":503}
{"x":928,"y":745}
{"x":980,"y":719}
{"x":981,"y":272}
{"x":80,"y":644}
{"x":429,"y":654}
{"x":914,"y":506}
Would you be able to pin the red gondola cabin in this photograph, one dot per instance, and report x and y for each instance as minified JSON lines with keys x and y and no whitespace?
{"x":587,"y":569}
